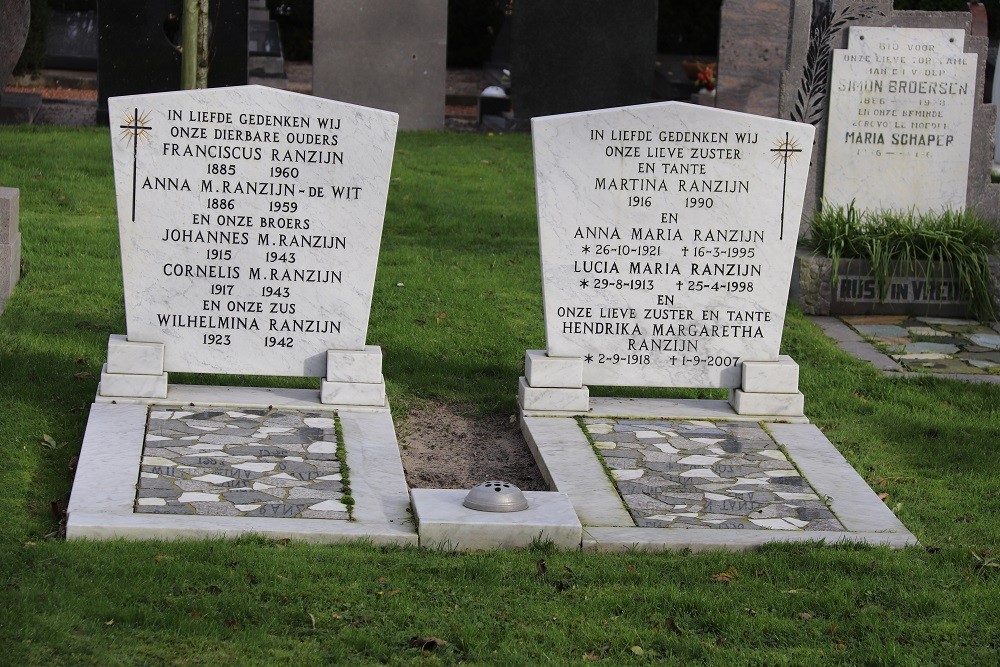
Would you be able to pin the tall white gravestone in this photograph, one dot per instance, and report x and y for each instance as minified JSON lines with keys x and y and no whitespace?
{"x":667,"y":236}
{"x":900,"y":121}
{"x":250,"y":221}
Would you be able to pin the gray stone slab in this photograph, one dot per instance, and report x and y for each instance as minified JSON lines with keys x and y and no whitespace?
{"x":383,"y":54}
{"x":834,"y":328}
{"x":991,"y":341}
{"x":881,"y":330}
{"x":866,"y":352}
{"x":938,"y":348}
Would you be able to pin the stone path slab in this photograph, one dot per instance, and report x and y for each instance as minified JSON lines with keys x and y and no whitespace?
{"x":900,"y":345}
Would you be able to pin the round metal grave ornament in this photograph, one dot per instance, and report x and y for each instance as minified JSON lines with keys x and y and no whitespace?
{"x":496,"y":496}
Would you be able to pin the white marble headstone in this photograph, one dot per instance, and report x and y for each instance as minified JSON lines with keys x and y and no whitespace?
{"x":250,"y":220}
{"x":900,"y":123}
{"x":667,"y":238}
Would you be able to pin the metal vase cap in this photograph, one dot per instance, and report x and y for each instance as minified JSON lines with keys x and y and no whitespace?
{"x":496,"y":496}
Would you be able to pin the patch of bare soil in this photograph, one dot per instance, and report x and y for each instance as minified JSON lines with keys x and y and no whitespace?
{"x":453,"y":447}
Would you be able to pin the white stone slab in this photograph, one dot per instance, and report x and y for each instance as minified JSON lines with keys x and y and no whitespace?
{"x":444,"y":522}
{"x":180,"y":395}
{"x":900,"y":120}
{"x":753,"y":403}
{"x":667,"y":237}
{"x":10,"y":212}
{"x":352,"y":393}
{"x":618,"y":540}
{"x":125,"y":356}
{"x":101,"y":504}
{"x":541,"y":370}
{"x":781,"y":376}
{"x":250,"y":222}
{"x":568,"y":464}
{"x":559,"y":399}
{"x":663,"y":408}
{"x":128,"y":384}
{"x":355,"y":366}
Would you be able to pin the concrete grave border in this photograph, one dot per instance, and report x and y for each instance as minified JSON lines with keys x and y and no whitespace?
{"x":104,"y":490}
{"x":569,"y":465}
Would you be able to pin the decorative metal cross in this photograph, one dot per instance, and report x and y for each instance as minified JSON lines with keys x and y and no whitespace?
{"x":784,"y":150}
{"x":135,"y":128}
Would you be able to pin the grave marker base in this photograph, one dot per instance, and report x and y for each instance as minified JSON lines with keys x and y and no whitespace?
{"x":554,"y":385}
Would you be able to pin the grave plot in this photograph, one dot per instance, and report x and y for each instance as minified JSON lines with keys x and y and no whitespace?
{"x":667,"y":237}
{"x":250,"y":221}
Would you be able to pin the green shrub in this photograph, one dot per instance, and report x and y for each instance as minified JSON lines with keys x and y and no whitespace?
{"x":895,"y":242}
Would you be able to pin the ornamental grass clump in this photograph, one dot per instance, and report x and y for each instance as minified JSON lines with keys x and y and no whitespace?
{"x":908,"y":243}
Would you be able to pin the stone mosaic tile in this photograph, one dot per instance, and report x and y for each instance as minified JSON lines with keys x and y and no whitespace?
{"x":698,"y":474}
{"x":881,"y":330}
{"x":277,"y":463}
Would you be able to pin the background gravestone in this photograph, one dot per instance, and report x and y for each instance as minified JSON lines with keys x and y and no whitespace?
{"x":71,"y":42}
{"x":901,"y":103}
{"x":820,"y":26}
{"x":14,"y":107}
{"x":250,"y":220}
{"x":385,"y":55}
{"x":138,"y":50}
{"x":753,"y":45}
{"x":667,"y":235}
{"x":562,"y":59}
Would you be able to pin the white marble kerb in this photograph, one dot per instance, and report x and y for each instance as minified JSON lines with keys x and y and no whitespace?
{"x":667,"y":237}
{"x":900,"y":123}
{"x":250,"y":222}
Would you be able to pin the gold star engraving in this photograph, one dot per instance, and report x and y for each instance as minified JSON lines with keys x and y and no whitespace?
{"x":135,"y":126}
{"x":785,"y":149}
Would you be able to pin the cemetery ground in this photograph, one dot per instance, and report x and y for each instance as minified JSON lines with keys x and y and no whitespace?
{"x":457,"y":301}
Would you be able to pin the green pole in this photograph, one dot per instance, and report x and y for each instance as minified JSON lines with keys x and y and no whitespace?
{"x":201,"y":80}
{"x":189,"y":47}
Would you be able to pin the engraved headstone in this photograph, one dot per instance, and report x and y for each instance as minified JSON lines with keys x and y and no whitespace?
{"x":667,"y":237}
{"x":250,"y":222}
{"x":901,"y":105}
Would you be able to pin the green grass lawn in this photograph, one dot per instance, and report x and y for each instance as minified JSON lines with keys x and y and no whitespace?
{"x":457,"y":301}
